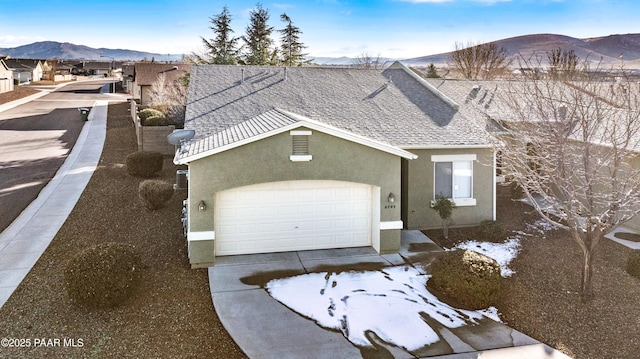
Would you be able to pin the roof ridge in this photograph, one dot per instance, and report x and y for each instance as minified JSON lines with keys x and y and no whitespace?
{"x":427,"y":85}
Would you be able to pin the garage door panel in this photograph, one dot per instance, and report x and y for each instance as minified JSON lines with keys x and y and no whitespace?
{"x":295,"y":215}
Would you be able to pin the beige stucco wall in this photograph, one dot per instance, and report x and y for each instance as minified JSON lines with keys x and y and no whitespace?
{"x":419,"y":190}
{"x":268,"y":160}
{"x":6,"y":80}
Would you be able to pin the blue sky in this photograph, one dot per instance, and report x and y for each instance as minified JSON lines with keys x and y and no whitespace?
{"x":389,"y":28}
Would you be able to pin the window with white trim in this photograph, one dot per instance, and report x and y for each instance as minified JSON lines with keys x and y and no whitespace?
{"x":300,"y":146}
{"x":453,"y":178}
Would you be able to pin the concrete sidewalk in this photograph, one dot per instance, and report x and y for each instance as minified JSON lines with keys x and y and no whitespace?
{"x":24,"y":241}
{"x":265,"y":328}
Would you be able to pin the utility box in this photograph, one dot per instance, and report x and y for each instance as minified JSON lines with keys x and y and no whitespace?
{"x":84,"y":113}
{"x":181,"y":179}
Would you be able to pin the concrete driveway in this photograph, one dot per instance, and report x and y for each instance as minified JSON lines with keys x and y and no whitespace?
{"x":265,"y":328}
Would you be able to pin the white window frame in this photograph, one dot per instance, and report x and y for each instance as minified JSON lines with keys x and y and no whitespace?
{"x":471,"y":158}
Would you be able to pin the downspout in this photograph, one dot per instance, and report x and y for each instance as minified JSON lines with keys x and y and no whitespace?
{"x":494,"y":183}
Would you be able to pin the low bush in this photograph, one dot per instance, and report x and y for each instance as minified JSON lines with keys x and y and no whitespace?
{"x":147,"y":113}
{"x":155,"y":193}
{"x":144,"y":163}
{"x":466,"y":279}
{"x":103,"y":276}
{"x":157,"y":121}
{"x":492,"y":231}
{"x":633,"y":264}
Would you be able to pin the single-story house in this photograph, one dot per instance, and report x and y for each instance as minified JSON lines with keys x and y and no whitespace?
{"x":128,"y":72}
{"x":25,"y":70}
{"x":6,"y":77}
{"x":488,"y":100}
{"x":287,"y":159}
{"x":146,"y":73}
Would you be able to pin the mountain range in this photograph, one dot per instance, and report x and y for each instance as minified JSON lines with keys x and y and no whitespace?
{"x":611,"y":50}
{"x":68,"y":51}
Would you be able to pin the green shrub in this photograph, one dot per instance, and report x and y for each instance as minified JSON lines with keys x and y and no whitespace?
{"x":633,"y":264}
{"x":492,"y":231}
{"x":154,"y":193}
{"x":144,"y":163}
{"x":149,"y":112}
{"x":157,"y":121}
{"x":103,"y":276}
{"x":466,"y":279}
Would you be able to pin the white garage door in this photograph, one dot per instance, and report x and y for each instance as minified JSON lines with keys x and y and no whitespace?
{"x":293,"y":215}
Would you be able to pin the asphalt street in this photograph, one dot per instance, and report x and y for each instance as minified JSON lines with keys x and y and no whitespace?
{"x":35,"y":139}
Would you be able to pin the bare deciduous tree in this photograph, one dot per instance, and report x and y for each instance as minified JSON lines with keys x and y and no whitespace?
{"x":367,"y":61}
{"x":571,"y":147}
{"x":563,"y":63}
{"x":480,"y":61}
{"x":170,"y":97}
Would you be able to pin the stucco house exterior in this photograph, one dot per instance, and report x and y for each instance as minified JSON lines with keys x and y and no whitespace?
{"x":6,"y":77}
{"x":25,"y":70}
{"x":287,"y":159}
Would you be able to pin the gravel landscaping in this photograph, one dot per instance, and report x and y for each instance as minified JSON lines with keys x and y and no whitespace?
{"x":17,"y":93}
{"x":542,"y":298}
{"x":171,"y":314}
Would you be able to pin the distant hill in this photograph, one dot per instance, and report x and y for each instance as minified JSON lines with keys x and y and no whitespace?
{"x":608,"y":48}
{"x":68,"y":51}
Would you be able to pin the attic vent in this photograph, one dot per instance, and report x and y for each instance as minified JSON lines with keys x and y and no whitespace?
{"x":300,"y":146}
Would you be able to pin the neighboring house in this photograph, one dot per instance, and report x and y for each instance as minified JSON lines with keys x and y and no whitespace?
{"x":482,"y":100}
{"x":25,"y":70}
{"x":305,"y":158}
{"x":6,"y":77}
{"x":128,"y":72}
{"x":146,"y":73}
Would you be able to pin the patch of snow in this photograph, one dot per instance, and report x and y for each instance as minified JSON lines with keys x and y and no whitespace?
{"x":389,"y":302}
{"x":503,"y":253}
{"x":544,"y":225}
{"x":491,"y":312}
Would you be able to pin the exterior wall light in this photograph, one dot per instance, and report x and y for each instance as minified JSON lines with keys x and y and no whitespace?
{"x":202,"y":206}
{"x":391,"y":198}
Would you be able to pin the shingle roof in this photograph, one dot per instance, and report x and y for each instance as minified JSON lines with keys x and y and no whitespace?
{"x":267,"y":124}
{"x":146,"y":73}
{"x":21,"y":64}
{"x":493,"y":101}
{"x":391,"y":106}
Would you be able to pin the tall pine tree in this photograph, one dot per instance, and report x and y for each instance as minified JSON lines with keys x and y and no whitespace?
{"x":223,"y":49}
{"x":290,"y":44}
{"x":258,"y":38}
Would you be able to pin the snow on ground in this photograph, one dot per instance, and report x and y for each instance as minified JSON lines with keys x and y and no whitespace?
{"x":503,"y":253}
{"x":388,"y":302}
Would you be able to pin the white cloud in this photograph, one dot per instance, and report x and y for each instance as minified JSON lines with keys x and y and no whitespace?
{"x":283,"y":6}
{"x":13,"y":41}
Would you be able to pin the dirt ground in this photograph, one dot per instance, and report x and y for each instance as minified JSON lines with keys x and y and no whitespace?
{"x":17,"y":93}
{"x":542,"y":298}
{"x":172,"y":316}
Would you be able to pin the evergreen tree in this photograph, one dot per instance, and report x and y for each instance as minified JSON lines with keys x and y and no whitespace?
{"x":258,"y":38}
{"x":223,"y":49}
{"x":432,"y":72}
{"x":290,"y":46}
